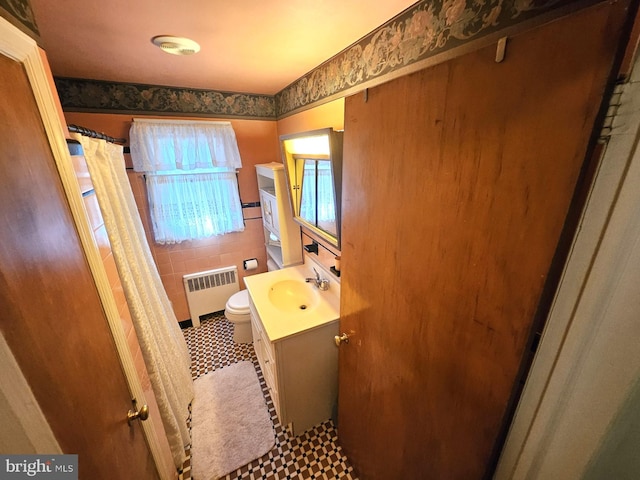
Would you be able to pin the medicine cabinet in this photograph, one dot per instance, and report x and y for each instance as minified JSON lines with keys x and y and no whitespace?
{"x":313,"y":167}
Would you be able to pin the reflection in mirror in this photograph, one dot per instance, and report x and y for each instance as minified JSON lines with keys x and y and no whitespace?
{"x":308,"y":192}
{"x":313,"y":167}
{"x":317,"y":204}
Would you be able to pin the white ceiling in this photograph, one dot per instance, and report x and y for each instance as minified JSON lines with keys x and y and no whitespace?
{"x":252,"y":46}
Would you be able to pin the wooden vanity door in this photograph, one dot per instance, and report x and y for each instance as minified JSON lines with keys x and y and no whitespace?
{"x":457,"y":183}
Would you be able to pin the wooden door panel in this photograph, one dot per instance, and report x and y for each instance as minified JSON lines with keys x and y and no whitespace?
{"x":52,"y":318}
{"x":456,"y":186}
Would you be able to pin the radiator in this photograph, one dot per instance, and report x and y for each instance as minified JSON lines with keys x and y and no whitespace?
{"x":208,"y":291}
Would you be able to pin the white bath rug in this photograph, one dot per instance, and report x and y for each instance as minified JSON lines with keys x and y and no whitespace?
{"x":230,"y":423}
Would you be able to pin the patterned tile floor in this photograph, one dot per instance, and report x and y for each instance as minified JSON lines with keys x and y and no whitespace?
{"x":312,"y":455}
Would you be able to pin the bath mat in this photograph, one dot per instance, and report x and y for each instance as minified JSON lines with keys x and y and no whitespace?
{"x":230,"y":423}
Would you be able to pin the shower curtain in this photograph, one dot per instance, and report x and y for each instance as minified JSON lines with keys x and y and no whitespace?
{"x":162,"y":343}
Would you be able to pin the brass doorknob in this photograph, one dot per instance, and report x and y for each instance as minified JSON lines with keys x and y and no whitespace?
{"x":339,"y":339}
{"x":142,"y":414}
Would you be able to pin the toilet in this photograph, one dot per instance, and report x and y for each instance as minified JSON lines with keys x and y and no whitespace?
{"x":237,"y":312}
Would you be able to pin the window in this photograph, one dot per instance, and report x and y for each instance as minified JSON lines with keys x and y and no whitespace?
{"x":190,"y":175}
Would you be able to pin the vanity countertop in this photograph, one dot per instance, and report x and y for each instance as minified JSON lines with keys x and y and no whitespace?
{"x":280,"y":323}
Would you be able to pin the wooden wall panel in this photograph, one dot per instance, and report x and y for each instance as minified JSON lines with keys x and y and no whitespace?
{"x":457,"y":184}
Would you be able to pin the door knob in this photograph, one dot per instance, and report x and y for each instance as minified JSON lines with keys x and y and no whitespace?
{"x":339,"y":339}
{"x":141,"y":414}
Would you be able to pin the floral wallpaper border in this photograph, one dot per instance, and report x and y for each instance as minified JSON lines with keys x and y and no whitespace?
{"x":428,"y":28}
{"x":95,"y":95}
{"x":19,"y":12}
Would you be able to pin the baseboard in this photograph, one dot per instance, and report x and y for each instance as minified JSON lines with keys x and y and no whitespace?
{"x":185,"y":324}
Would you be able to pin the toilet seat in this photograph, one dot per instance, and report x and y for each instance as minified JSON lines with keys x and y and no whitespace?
{"x":238,"y":303}
{"x":238,"y":313}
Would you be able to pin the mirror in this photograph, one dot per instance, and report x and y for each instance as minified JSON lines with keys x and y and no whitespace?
{"x":317,"y":202}
{"x":313,"y":168}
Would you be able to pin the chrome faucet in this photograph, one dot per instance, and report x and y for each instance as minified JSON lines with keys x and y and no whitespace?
{"x":321,"y":283}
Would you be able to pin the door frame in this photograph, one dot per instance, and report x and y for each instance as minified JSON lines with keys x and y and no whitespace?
{"x":20,"y":47}
{"x":584,"y":350}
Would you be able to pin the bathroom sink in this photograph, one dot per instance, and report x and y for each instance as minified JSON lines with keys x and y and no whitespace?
{"x":284,"y":304}
{"x":293,"y":295}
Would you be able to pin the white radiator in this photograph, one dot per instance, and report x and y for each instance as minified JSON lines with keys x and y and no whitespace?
{"x":208,"y":291}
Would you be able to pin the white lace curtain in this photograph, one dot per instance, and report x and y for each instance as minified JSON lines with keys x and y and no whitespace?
{"x":187,"y":207}
{"x":318,"y":205}
{"x":308,"y":198}
{"x":326,"y":202}
{"x":158,"y":145}
{"x":191,"y":182}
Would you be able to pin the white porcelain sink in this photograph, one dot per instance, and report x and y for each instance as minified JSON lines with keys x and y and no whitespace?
{"x":287,"y":305}
{"x":293,"y":295}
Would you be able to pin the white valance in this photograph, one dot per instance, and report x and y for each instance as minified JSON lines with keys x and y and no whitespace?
{"x":160,"y":145}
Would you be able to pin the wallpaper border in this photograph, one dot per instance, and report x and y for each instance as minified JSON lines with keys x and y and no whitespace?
{"x":427,"y":31}
{"x":77,"y":95}
{"x":429,"y":28}
{"x":20,"y":14}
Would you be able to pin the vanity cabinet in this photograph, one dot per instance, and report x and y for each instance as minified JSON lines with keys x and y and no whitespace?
{"x":281,"y":234}
{"x":301,"y":372}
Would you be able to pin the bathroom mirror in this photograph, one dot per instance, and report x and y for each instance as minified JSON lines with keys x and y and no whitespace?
{"x":313,"y":168}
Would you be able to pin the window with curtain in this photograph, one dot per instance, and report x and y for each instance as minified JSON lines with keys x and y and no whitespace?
{"x":190,"y":170}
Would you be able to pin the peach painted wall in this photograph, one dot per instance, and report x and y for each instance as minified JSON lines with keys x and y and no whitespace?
{"x":327,"y":115}
{"x":258,"y":143}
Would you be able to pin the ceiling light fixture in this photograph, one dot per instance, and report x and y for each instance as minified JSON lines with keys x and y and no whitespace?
{"x":176,"y":45}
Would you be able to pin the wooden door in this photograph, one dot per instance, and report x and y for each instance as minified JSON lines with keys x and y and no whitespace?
{"x":457,"y":183}
{"x":52,"y":318}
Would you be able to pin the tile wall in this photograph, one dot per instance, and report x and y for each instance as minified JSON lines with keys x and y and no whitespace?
{"x":176,"y":260}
